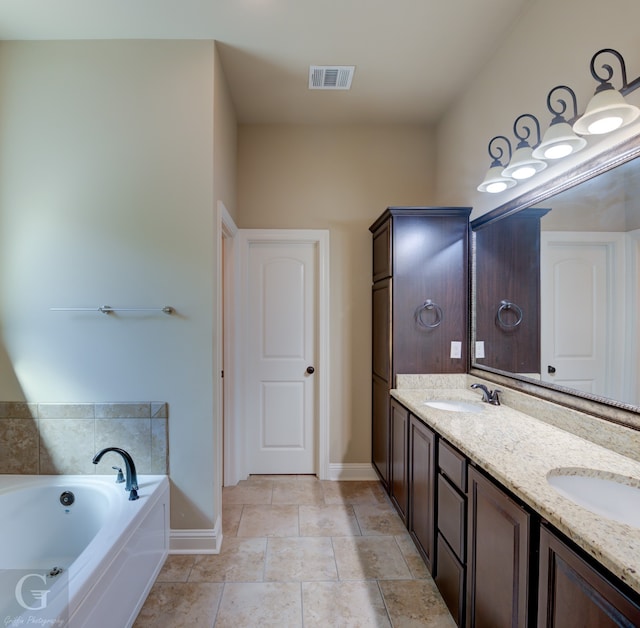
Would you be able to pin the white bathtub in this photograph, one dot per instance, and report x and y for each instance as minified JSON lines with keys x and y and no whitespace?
{"x":110,"y":549}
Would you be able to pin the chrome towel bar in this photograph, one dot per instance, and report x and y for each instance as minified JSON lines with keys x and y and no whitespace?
{"x":107,"y":309}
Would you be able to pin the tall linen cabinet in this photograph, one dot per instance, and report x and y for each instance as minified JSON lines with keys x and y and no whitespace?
{"x":420,"y":305}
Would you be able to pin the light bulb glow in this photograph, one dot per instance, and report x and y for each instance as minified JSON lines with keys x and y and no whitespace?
{"x":524,"y":172}
{"x":605,"y":125}
{"x":494,"y":188}
{"x":558,"y":151}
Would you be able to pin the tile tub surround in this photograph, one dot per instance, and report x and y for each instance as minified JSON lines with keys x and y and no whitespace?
{"x":62,"y":438}
{"x":297,"y":552}
{"x":519,"y":451}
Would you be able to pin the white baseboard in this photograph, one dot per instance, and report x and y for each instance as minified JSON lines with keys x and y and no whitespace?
{"x":352,"y":471}
{"x":196,"y":541}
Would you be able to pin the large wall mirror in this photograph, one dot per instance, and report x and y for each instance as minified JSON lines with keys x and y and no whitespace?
{"x":556,"y":288}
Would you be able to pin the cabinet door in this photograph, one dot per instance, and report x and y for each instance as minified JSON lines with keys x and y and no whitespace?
{"x":574,"y":595}
{"x":382,"y":252}
{"x":380,"y":429}
{"x":381,"y":331}
{"x":422,"y":488}
{"x":498,"y":557}
{"x":399,"y":418}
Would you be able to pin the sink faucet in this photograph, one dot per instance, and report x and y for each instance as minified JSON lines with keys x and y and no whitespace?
{"x":490,"y":396}
{"x":132,"y":477}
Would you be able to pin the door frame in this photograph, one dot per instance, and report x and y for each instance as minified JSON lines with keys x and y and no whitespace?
{"x":236,"y":456}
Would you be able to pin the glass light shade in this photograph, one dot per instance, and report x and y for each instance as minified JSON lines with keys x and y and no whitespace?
{"x":606,"y":112}
{"x":495,"y":182}
{"x":559,"y":141}
{"x":523,"y":164}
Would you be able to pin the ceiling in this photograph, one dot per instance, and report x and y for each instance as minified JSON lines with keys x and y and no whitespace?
{"x":412,"y":57}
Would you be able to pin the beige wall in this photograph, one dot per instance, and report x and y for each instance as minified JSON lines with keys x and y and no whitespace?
{"x":341,"y":179}
{"x":108,"y":197}
{"x":551,"y":44}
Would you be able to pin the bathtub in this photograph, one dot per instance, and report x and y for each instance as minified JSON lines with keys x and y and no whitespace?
{"x":96,"y":558}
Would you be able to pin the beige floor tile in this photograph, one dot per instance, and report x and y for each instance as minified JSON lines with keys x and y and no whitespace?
{"x":240,"y":560}
{"x":176,"y":568}
{"x":329,"y":520}
{"x":180,"y":605}
{"x":297,"y":490}
{"x":379,"y":519}
{"x":343,"y":604}
{"x":276,"y":604}
{"x":231,"y":514}
{"x":370,"y":558}
{"x":415,"y":604}
{"x":247,"y":493}
{"x":349,"y":492}
{"x":299,"y":558}
{"x":412,"y":557}
{"x":332,"y":553}
{"x":269,"y":520}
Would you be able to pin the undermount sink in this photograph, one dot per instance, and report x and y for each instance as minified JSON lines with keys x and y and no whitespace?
{"x":612,"y":496}
{"x":453,"y":405}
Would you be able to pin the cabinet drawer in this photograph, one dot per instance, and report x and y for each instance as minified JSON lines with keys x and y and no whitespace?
{"x":453,"y":464}
{"x":450,"y":580}
{"x":451,"y":516}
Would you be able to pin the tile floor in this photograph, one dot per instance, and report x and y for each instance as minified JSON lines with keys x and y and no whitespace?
{"x":299,"y":552}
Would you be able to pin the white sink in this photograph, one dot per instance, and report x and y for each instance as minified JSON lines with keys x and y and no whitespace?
{"x":453,"y":405}
{"x":612,"y":496}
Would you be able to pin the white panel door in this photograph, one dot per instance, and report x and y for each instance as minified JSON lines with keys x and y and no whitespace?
{"x":281,"y":341}
{"x":580,"y":302}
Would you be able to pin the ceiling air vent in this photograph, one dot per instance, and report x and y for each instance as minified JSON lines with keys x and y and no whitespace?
{"x":330,"y":76}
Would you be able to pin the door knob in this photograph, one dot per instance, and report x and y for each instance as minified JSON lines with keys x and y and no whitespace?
{"x":310,"y":370}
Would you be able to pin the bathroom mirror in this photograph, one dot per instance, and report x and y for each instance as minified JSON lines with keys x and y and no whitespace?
{"x":556,"y":287}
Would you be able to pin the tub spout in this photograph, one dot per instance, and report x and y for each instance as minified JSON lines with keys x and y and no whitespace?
{"x":132,"y":476}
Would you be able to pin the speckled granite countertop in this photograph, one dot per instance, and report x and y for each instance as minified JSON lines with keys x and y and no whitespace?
{"x":519,"y":451}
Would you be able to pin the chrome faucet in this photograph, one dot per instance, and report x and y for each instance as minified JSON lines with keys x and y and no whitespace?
{"x":132,"y":477}
{"x":490,"y":396}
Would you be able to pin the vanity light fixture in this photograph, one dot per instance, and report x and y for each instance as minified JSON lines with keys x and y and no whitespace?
{"x":608,"y":110}
{"x":495,"y":181}
{"x":523,"y":164}
{"x":559,"y":139}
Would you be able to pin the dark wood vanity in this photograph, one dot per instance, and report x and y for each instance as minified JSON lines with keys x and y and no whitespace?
{"x":420,"y":306}
{"x":496,"y":561}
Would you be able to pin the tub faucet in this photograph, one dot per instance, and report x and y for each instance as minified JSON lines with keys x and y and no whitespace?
{"x":132,"y":477}
{"x":490,"y":396}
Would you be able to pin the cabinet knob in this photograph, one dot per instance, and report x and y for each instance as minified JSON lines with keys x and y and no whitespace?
{"x":310,"y":370}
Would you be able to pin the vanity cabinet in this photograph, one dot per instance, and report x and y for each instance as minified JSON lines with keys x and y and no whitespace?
{"x":422,"y":487}
{"x":574,"y":594}
{"x":420,"y":305}
{"x":481,"y":543}
{"x":499,"y":533}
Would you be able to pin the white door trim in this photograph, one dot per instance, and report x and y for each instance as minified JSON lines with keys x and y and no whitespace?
{"x":226,"y":355}
{"x":238,"y":430}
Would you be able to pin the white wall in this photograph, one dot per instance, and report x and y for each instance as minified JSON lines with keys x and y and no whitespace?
{"x":108,"y":197}
{"x":551,"y":44}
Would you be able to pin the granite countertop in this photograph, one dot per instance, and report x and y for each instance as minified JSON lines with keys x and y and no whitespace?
{"x":519,"y":451}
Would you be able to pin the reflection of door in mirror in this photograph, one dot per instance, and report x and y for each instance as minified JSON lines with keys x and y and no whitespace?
{"x":582,"y":287}
{"x":507,"y":293}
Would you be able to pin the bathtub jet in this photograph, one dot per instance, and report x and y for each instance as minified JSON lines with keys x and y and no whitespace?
{"x":132,"y":476}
